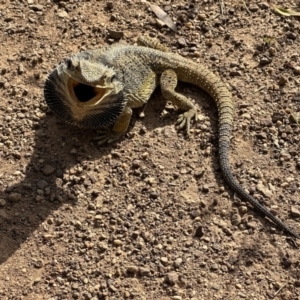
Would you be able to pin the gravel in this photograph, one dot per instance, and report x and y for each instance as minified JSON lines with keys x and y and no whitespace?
{"x":149,"y":217}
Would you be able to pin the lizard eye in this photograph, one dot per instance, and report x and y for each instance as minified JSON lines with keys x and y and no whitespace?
{"x":114,"y":77}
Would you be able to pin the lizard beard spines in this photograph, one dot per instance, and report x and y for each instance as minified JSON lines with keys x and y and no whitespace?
{"x":103,"y":115}
{"x":54,"y":94}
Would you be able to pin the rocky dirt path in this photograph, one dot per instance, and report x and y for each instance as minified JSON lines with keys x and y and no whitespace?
{"x":149,"y":217}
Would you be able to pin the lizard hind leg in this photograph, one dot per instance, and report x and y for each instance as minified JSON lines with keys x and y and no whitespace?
{"x":168,"y":83}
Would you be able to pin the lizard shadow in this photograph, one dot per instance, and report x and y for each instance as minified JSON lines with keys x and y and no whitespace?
{"x":47,"y":182}
{"x":52,"y":178}
{"x":157,"y":108}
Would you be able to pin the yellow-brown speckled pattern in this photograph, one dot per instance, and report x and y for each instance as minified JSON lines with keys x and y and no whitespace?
{"x":144,"y":92}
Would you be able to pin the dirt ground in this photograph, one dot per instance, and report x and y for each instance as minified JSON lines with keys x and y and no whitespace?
{"x":150,"y":217}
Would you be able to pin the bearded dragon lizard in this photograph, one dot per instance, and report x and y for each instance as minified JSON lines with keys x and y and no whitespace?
{"x":99,"y":88}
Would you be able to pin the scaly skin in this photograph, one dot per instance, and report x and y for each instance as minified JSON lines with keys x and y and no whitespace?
{"x":123,"y":77}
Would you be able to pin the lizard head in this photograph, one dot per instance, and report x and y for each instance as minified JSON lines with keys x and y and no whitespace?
{"x":85,"y":92}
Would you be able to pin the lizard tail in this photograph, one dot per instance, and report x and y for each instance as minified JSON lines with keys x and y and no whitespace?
{"x":225,"y":109}
{"x":214,"y":86}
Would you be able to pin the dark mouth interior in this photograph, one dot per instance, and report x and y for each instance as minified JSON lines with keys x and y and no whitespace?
{"x":84,"y":92}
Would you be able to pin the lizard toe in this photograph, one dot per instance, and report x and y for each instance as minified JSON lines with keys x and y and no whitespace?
{"x":184,"y":120}
{"x":114,"y":137}
{"x":102,"y":139}
{"x":107,"y":136}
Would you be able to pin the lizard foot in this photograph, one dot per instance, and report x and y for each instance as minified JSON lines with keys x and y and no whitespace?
{"x":184,"y":120}
{"x":107,"y":136}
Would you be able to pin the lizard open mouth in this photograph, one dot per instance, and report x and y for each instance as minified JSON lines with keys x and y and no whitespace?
{"x":83,"y":105}
{"x":86,"y":94}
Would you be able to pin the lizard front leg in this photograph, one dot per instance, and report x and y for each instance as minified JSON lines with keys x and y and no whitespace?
{"x":168,"y":83}
{"x":120,"y":127}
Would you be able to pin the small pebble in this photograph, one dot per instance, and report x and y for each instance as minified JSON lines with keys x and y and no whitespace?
{"x":182,"y":42}
{"x":243,"y":209}
{"x":246,"y":116}
{"x":205,"y":188}
{"x":296,"y":70}
{"x":171,"y":278}
{"x":164,"y":260}
{"x":47,"y":237}
{"x":265,"y":191}
{"x":115,"y":34}
{"x":236,"y":219}
{"x":136,"y":163}
{"x":282,"y":80}
{"x":62,"y":14}
{"x":145,"y":155}
{"x":48,"y":170}
{"x":178,"y":262}
{"x":14,"y":197}
{"x":253,"y":7}
{"x":36,"y":7}
{"x":144,"y":272}
{"x":265,"y":60}
{"x":132,"y":269}
{"x":295,"y":212}
{"x":291,"y":35}
{"x":117,"y":243}
{"x":202,"y":17}
{"x":252,"y":224}
{"x":102,"y":246}
{"x":42,"y":184}
{"x":263,"y":5}
{"x":20,"y":69}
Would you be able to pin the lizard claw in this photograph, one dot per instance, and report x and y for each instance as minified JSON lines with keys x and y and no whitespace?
{"x":184,"y":120}
{"x":107,"y":136}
